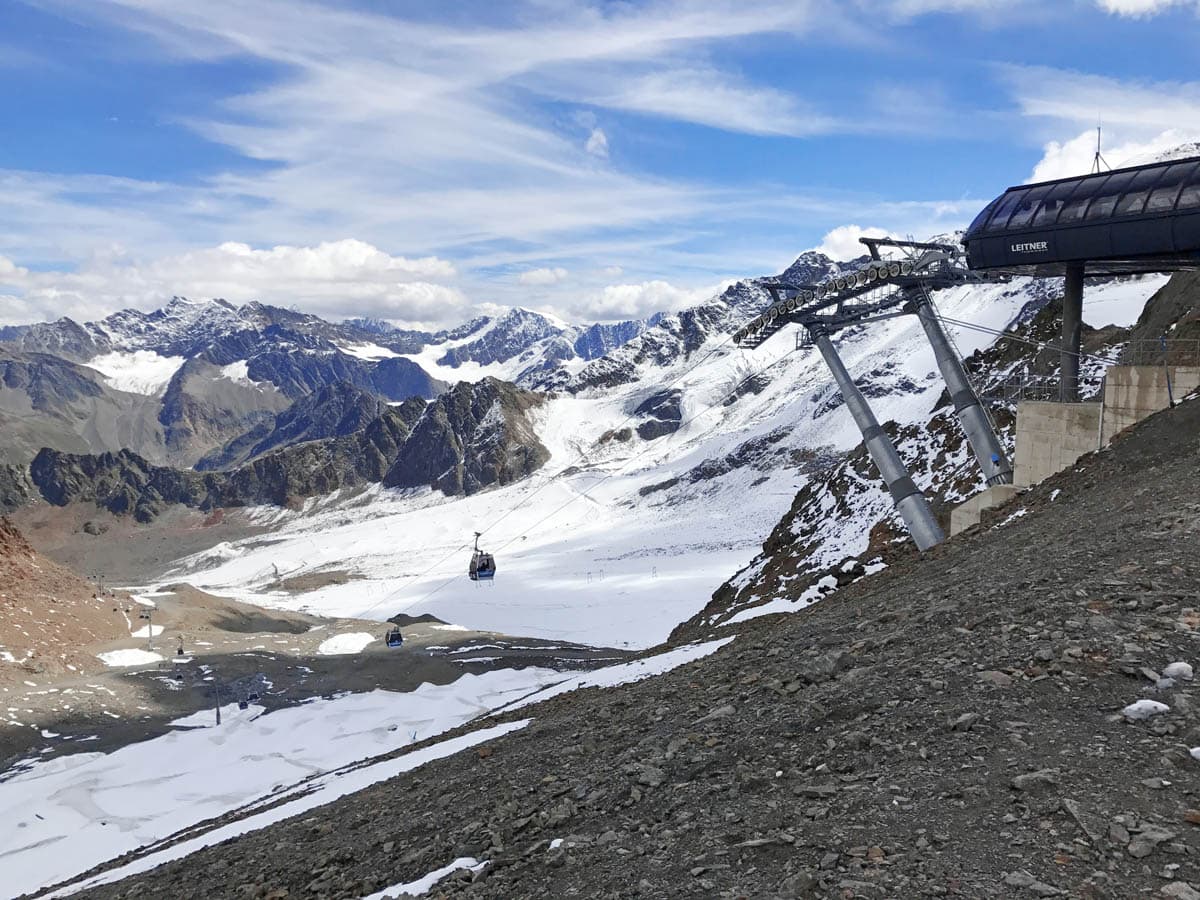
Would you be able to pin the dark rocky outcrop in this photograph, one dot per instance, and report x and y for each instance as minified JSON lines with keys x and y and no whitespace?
{"x":125,"y":484}
{"x":473,"y":436}
{"x":335,"y":410}
{"x":16,"y":488}
{"x":664,"y":413}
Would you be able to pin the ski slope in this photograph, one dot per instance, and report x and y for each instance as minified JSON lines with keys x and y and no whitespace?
{"x":593,"y":548}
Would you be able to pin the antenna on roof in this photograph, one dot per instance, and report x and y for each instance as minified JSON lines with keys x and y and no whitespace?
{"x":1099,"y":157}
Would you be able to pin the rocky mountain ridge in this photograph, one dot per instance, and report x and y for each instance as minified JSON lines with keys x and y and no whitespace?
{"x":191,"y":377}
{"x":471,"y":438}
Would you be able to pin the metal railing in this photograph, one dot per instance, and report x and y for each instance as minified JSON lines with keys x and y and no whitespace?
{"x":1161,"y":351}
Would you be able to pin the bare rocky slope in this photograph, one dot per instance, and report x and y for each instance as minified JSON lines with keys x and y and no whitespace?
{"x":950,"y":727}
{"x":49,"y":616}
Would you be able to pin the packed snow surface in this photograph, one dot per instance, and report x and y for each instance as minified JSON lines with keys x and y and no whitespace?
{"x":137,"y":372}
{"x":131,"y":657}
{"x":340,"y":644}
{"x":104,"y":805}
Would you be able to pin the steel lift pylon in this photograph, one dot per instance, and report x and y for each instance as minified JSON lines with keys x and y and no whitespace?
{"x":882,"y":289}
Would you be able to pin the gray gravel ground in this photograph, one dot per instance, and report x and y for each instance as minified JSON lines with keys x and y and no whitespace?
{"x":951,"y":727}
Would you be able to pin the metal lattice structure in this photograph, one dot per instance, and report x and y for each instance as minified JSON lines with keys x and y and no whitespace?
{"x":877,"y":290}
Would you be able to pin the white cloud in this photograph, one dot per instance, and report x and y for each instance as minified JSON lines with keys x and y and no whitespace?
{"x":1137,"y":7}
{"x":707,"y":96}
{"x":336,"y":279}
{"x":432,"y":139}
{"x":842,"y":242}
{"x":538,"y":277}
{"x":1139,"y":118}
{"x":597,"y":143}
{"x":635,"y":301}
{"x":1077,"y":155}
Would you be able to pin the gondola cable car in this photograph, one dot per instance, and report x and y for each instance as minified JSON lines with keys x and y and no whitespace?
{"x":394,"y":637}
{"x":483,"y":565}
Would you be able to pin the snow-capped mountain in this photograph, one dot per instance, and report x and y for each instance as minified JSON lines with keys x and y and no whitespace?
{"x":178,"y":383}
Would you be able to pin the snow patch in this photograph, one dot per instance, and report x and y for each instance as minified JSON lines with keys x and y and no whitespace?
{"x":1180,"y":671}
{"x":136,"y":372}
{"x":132,"y":657}
{"x":367,"y":351}
{"x":1144,"y":709}
{"x":341,"y":644}
{"x":239,"y":373}
{"x":425,"y":883}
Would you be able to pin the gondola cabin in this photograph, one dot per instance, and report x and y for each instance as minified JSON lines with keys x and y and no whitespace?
{"x":394,"y":638}
{"x":483,"y":565}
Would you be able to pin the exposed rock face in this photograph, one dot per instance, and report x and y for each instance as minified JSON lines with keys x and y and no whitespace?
{"x":512,"y":333}
{"x":663,"y":412}
{"x":125,"y":484}
{"x":332,"y":411}
{"x":473,"y":436}
{"x":50,"y":401}
{"x":601,"y":339}
{"x":235,"y":368}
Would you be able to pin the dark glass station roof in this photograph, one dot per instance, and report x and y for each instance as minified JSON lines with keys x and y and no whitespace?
{"x":1142,"y":218}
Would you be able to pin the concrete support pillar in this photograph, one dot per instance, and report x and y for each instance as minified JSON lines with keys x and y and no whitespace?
{"x":912,"y":505}
{"x":993,"y":461}
{"x":1072,"y":329}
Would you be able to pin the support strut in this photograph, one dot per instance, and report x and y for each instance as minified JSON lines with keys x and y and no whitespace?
{"x":993,"y":461}
{"x":1072,"y":327}
{"x":912,"y":505}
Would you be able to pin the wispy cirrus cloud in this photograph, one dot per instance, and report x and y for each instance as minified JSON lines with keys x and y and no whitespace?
{"x":495,"y":136}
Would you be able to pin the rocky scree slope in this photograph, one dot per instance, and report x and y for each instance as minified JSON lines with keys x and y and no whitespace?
{"x":842,"y":518}
{"x":954,"y":726}
{"x":49,"y":616}
{"x":472,"y":437}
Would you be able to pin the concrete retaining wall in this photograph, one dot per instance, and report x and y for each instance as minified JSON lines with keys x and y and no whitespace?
{"x":1131,"y":393}
{"x":1051,"y":436}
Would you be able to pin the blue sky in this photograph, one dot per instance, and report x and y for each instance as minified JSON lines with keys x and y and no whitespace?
{"x":420,"y":161}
